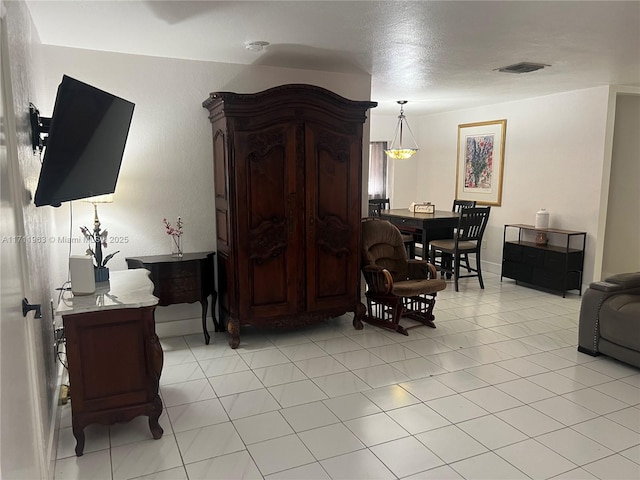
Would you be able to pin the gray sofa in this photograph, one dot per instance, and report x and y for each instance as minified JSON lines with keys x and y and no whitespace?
{"x":610,"y":318}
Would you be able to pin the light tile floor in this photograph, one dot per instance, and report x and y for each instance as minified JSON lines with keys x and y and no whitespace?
{"x":497,"y":390}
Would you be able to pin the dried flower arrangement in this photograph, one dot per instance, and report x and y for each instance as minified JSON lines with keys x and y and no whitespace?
{"x":176,"y":236}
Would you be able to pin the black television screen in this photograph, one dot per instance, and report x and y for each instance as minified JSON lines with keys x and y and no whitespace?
{"x":83,"y":153}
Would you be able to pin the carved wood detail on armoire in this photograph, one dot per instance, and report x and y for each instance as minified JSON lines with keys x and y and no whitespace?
{"x":288,"y":193}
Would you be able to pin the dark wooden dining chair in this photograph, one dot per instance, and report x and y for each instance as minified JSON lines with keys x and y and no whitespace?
{"x":458,"y":205}
{"x":396,"y":286}
{"x":467,"y":239}
{"x":376,"y":205}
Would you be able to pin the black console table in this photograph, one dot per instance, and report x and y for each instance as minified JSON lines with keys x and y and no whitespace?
{"x":185,"y":279}
{"x":555,"y":267}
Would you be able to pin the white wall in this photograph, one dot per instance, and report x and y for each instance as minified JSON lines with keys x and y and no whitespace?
{"x":167,"y":169}
{"x":622,"y":234}
{"x":553,"y":159}
{"x":553,"y":153}
{"x":30,"y":344}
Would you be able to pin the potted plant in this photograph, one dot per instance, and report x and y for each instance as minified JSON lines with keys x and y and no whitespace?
{"x":100,"y":269}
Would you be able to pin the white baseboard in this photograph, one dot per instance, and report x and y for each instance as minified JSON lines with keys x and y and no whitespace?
{"x":51,"y":446}
{"x":177,"y":328}
{"x":487,"y":267}
{"x":181,"y":319}
{"x":491,"y":267}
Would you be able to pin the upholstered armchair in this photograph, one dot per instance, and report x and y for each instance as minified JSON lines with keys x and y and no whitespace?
{"x":610,"y":318}
{"x":396,"y":286}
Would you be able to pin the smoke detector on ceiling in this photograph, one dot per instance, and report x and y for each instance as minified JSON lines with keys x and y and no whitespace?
{"x":522,"y":67}
{"x":256,"y":46}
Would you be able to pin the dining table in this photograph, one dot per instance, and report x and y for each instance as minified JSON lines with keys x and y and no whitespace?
{"x":423,"y":226}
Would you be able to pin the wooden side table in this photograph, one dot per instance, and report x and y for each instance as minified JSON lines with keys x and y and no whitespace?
{"x":113,"y":353}
{"x":185,"y":279}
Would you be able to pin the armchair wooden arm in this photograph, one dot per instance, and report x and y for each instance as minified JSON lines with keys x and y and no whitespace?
{"x":378,"y":279}
{"x":421,"y":269}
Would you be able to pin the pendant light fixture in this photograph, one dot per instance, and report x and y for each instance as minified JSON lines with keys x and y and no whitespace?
{"x":401,"y":150}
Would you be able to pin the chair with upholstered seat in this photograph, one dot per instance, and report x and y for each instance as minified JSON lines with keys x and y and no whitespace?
{"x":376,"y":205}
{"x":396,"y":286}
{"x":467,"y":239}
{"x":458,"y":205}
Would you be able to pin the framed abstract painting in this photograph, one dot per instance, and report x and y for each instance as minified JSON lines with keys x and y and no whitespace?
{"x":480,"y":162}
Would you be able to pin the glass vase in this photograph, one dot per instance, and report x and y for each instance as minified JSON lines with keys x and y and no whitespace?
{"x":176,"y":246}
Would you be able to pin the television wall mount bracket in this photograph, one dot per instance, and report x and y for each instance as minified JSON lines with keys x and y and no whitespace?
{"x":39,"y":129}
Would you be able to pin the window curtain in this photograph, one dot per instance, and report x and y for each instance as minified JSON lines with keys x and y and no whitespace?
{"x":377,"y":170}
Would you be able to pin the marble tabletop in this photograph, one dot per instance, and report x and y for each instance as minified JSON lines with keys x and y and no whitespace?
{"x":125,"y":289}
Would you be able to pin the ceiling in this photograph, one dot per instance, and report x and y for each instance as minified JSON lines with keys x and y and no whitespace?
{"x":438,"y":55}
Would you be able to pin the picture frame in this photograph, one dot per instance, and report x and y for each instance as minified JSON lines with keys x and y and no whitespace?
{"x":480,"y":163}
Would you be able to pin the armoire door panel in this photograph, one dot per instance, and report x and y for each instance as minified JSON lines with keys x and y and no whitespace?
{"x":333,"y":204}
{"x":221,"y":186}
{"x":332,"y":260}
{"x":332,"y":184}
{"x":265,"y":164}
{"x":222,"y":227}
{"x":220,"y":168}
{"x":226,"y":275}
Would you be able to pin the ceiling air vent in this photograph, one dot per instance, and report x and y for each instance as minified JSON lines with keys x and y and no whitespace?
{"x":522,"y":67}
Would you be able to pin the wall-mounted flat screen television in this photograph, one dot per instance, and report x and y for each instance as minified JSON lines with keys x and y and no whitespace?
{"x":87,"y":136}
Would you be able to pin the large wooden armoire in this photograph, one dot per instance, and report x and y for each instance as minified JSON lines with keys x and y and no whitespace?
{"x":288,"y":194}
